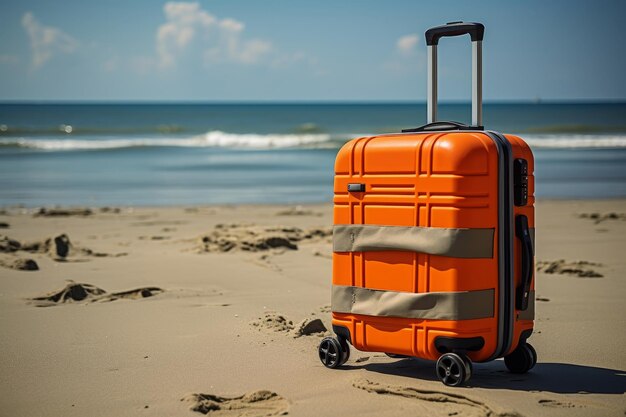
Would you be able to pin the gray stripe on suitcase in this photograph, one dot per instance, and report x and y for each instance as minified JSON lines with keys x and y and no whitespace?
{"x":461,"y":305}
{"x":457,"y":243}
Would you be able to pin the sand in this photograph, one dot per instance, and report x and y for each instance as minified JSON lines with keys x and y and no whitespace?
{"x":219,"y":310}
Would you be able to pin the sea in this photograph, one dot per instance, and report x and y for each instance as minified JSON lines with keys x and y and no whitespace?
{"x":158,"y":154}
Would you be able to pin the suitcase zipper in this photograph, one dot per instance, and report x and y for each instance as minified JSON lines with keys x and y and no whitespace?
{"x":506,"y":236}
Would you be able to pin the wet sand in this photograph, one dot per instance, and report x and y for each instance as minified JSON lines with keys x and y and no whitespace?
{"x":214,"y":310}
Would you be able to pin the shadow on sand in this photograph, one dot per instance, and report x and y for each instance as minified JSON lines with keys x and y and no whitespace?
{"x":561,"y":378}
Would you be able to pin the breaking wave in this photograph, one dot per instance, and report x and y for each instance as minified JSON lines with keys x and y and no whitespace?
{"x":209,"y":139}
{"x":219,"y":139}
{"x":576,"y":141}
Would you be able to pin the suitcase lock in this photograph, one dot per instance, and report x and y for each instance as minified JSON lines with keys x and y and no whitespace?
{"x":356,"y":188}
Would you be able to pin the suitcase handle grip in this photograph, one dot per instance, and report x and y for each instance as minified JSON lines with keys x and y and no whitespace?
{"x":441,"y":126}
{"x":475,"y":30}
{"x":523,"y":233}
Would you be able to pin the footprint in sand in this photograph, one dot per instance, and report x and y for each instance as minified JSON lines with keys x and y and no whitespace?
{"x":308,"y":327}
{"x":160,"y":223}
{"x":556,"y":404}
{"x":265,"y":261}
{"x":112,"y":210}
{"x":254,"y":404}
{"x":8,"y":245}
{"x":435,"y":402}
{"x":59,"y":248}
{"x":135,"y":294}
{"x":75,"y":292}
{"x":63,"y":212}
{"x":321,"y":254}
{"x":155,"y":237}
{"x":297,"y":211}
{"x":20,"y":264}
{"x":72,"y":292}
{"x":601,"y":217}
{"x":272,"y":321}
{"x":582,"y":269}
{"x":251,"y":238}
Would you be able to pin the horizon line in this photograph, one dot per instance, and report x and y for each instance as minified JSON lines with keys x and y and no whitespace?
{"x":308,"y":102}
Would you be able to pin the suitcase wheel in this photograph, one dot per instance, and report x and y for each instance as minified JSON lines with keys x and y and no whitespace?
{"x":522,"y":359}
{"x":453,"y":369}
{"x":333,"y":353}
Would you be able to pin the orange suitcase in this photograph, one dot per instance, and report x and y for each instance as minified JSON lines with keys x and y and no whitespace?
{"x":433,"y":243}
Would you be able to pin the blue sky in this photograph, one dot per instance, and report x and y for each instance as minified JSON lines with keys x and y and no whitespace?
{"x":283,"y":50}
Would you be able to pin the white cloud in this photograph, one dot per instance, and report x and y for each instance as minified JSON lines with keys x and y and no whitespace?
{"x":407,"y":57}
{"x":221,"y":40}
{"x":183,"y":21}
{"x":232,"y":25}
{"x":46,"y":41}
{"x":407,"y":45}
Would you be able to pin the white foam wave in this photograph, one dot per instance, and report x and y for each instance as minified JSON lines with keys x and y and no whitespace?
{"x":209,"y":139}
{"x":272,"y":141}
{"x":569,"y":141}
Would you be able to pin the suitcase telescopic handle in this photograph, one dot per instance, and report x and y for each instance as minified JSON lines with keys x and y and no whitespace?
{"x":523,"y":233}
{"x":476,"y":32}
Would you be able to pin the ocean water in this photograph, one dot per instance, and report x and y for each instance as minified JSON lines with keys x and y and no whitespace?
{"x":192,"y":154}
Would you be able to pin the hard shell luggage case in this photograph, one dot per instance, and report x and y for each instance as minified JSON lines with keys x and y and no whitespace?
{"x":434,"y":240}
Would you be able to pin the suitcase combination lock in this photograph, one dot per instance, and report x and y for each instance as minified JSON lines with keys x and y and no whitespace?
{"x":520,"y":182}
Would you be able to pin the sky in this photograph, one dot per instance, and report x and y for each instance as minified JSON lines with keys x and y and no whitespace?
{"x":303,"y":50}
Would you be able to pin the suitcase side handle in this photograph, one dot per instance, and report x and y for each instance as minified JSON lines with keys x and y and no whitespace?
{"x":523,"y":233}
{"x":476,"y":32}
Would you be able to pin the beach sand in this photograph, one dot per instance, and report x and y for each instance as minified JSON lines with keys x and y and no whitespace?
{"x":183,"y":311}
